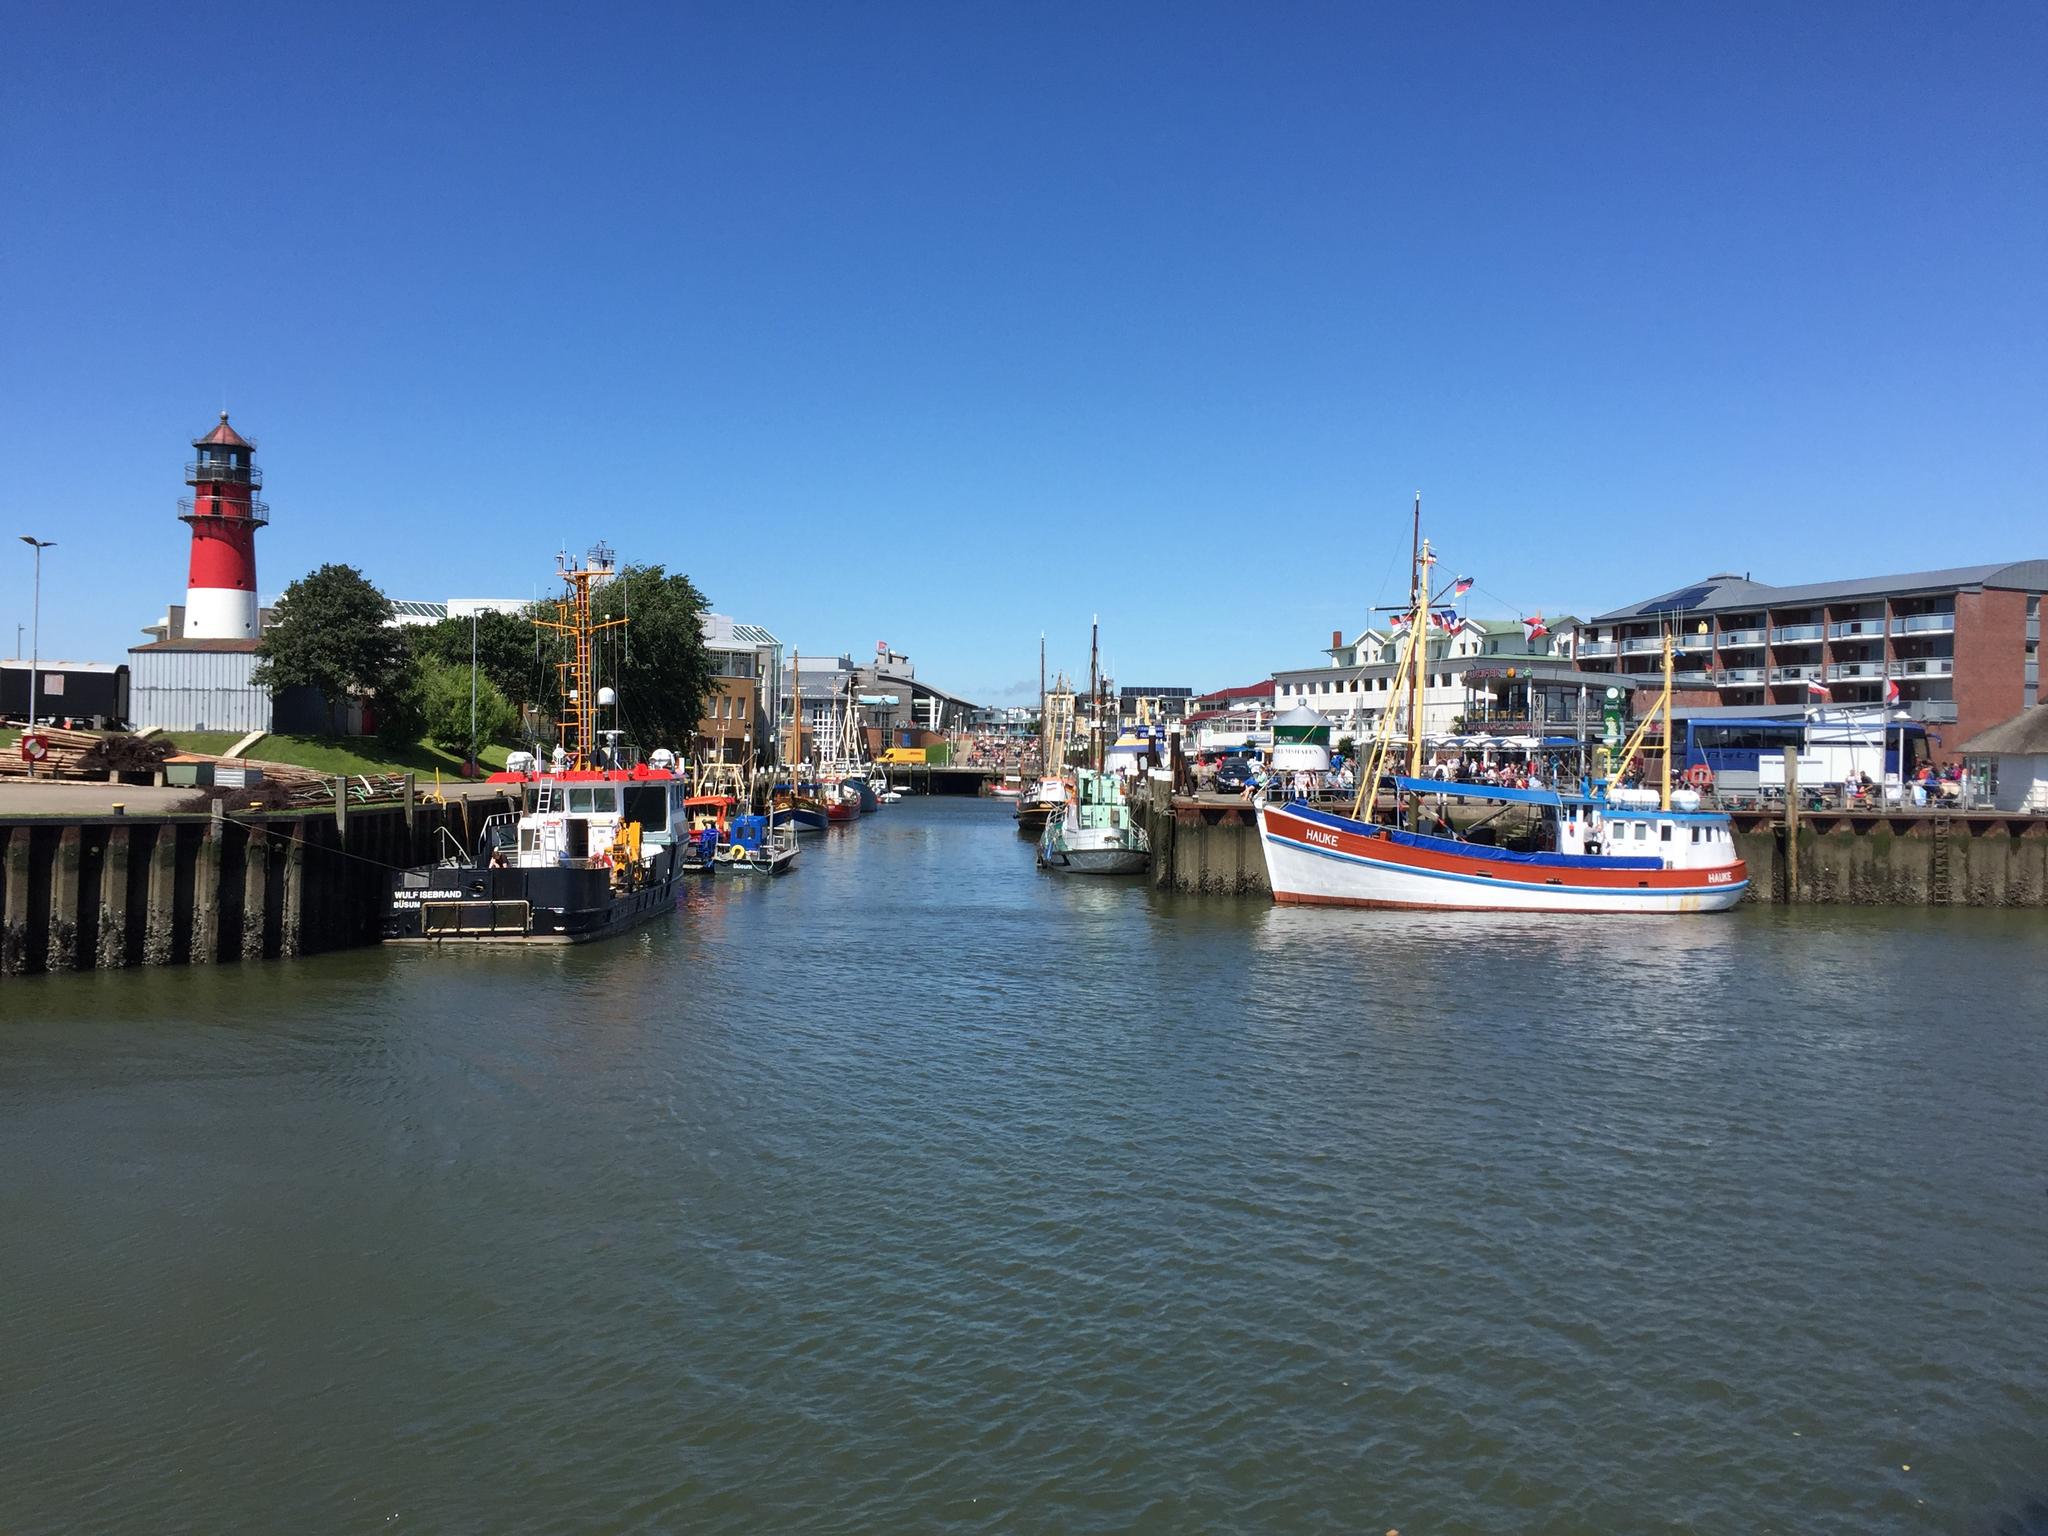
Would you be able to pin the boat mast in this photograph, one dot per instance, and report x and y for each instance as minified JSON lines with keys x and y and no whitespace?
{"x":1044,"y":726}
{"x":1418,"y":639}
{"x":1094,"y":696}
{"x":574,"y":623}
{"x":1664,"y":790}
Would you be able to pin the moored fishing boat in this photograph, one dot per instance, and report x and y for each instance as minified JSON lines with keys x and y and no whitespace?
{"x":1602,"y":849}
{"x":595,"y":846}
{"x":799,"y":807}
{"x":1038,"y":803}
{"x":1094,"y":833}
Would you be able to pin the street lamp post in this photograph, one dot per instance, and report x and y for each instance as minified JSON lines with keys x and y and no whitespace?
{"x":472,"y":693}
{"x":35,"y":666}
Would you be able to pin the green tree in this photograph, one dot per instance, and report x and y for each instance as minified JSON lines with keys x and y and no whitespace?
{"x":510,"y":652}
{"x":657,"y":662}
{"x":333,"y":633}
{"x":444,"y":707}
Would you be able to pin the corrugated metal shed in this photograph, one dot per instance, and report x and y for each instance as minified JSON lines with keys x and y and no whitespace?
{"x":194,"y":689}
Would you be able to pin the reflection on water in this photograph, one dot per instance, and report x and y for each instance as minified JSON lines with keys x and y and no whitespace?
{"x":924,"y":1188}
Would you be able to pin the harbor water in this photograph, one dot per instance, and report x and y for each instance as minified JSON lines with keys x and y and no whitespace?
{"x":925,"y":1190}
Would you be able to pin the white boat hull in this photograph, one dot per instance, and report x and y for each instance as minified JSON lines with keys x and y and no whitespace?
{"x":1095,"y":851}
{"x":1313,"y":863}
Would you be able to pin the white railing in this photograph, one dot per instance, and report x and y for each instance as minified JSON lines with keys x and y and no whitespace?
{"x":1596,"y":648}
{"x":1793,"y":674}
{"x":1925,"y":624}
{"x":1742,"y":674}
{"x":1642,"y":643}
{"x":1730,"y":639}
{"x":1850,"y":629}
{"x":1928,"y":666}
{"x":1795,"y":634}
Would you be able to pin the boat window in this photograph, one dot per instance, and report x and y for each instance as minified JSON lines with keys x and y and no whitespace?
{"x":604,"y":800}
{"x":1695,"y":834}
{"x":648,"y":805}
{"x":1664,"y":831}
{"x":1642,"y":831}
{"x":579,"y":802}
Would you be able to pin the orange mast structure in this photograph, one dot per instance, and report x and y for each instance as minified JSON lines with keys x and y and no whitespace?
{"x":573,"y":621}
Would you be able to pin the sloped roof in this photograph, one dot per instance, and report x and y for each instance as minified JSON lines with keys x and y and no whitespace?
{"x":222,"y":436}
{"x":1717,"y":593}
{"x":2025,"y":733}
{"x":1261,"y":690}
{"x":196,"y":645}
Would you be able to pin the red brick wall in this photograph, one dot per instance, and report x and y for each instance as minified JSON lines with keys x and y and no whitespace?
{"x":1991,"y":643}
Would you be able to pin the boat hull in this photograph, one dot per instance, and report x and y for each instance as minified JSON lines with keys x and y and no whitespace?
{"x":1314,"y":858}
{"x":802,"y":818}
{"x":1093,"y":852}
{"x":450,"y":904}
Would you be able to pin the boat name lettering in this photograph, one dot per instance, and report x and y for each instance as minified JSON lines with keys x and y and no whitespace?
{"x":1720,"y":877}
{"x":1327,"y":839}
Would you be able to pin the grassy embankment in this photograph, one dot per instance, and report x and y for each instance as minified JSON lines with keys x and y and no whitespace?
{"x":351,"y":755}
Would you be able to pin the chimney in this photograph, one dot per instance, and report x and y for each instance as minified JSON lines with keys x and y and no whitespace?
{"x":1336,"y":639}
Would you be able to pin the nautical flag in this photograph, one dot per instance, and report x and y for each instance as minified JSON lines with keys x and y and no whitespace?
{"x":1536,"y":627}
{"x":1461,"y":586}
{"x":1891,"y":690}
{"x":1444,"y":618}
{"x":1399,"y":621}
{"x":1817,"y":688}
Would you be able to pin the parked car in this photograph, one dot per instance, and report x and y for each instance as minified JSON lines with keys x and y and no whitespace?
{"x":1233,"y":773}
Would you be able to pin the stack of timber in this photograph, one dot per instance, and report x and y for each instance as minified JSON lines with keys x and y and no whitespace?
{"x":85,"y":755}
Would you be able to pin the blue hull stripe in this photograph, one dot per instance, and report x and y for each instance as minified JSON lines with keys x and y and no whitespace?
{"x":1633,"y":891}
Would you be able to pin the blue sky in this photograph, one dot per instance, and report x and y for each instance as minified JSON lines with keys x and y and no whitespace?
{"x":945,"y":325}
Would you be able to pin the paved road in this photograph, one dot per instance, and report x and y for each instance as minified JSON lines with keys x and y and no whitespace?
{"x":66,"y":797}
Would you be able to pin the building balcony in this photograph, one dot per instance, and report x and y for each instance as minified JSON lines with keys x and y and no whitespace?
{"x":257,"y":512}
{"x":1798,"y":634}
{"x":1693,"y":643}
{"x":1925,"y":624}
{"x":1736,"y":677}
{"x":1596,"y":648}
{"x":1857,"y":669}
{"x":1692,"y":677}
{"x":223,"y":474}
{"x":1793,"y":674}
{"x":1642,"y":644}
{"x":1741,"y":639}
{"x":1926,"y":666}
{"x":1857,"y":629}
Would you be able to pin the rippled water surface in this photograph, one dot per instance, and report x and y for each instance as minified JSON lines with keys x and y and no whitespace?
{"x":923,"y":1190}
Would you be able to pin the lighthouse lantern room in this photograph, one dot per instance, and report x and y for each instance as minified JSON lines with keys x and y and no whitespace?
{"x":224,"y":514}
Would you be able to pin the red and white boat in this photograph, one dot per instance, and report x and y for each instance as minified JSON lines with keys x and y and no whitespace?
{"x":1603,"y":856}
{"x":1607,"y":850}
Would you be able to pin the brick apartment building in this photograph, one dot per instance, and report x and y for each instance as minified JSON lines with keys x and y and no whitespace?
{"x":1963,"y":645}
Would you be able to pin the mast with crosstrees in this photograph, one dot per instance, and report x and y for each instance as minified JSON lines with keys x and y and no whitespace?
{"x":574,"y":622}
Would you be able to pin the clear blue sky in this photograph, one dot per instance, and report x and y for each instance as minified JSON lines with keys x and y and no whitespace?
{"x":946,"y":324}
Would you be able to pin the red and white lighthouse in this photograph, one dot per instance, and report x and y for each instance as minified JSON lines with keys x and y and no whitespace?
{"x":220,"y":600}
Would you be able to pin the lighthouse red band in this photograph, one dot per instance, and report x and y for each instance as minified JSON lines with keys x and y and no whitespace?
{"x":224,"y":514}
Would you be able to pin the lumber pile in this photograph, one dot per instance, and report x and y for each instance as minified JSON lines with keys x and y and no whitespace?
{"x":85,"y":755}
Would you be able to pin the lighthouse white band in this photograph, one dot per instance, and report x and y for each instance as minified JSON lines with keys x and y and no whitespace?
{"x":220,"y":613}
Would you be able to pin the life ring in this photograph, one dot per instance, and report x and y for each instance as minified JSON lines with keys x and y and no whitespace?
{"x":35,"y":748}
{"x":1700,"y":777}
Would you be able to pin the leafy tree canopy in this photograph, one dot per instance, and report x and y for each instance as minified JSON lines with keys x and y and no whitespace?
{"x":333,"y":633}
{"x":510,"y":652}
{"x":444,"y":707}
